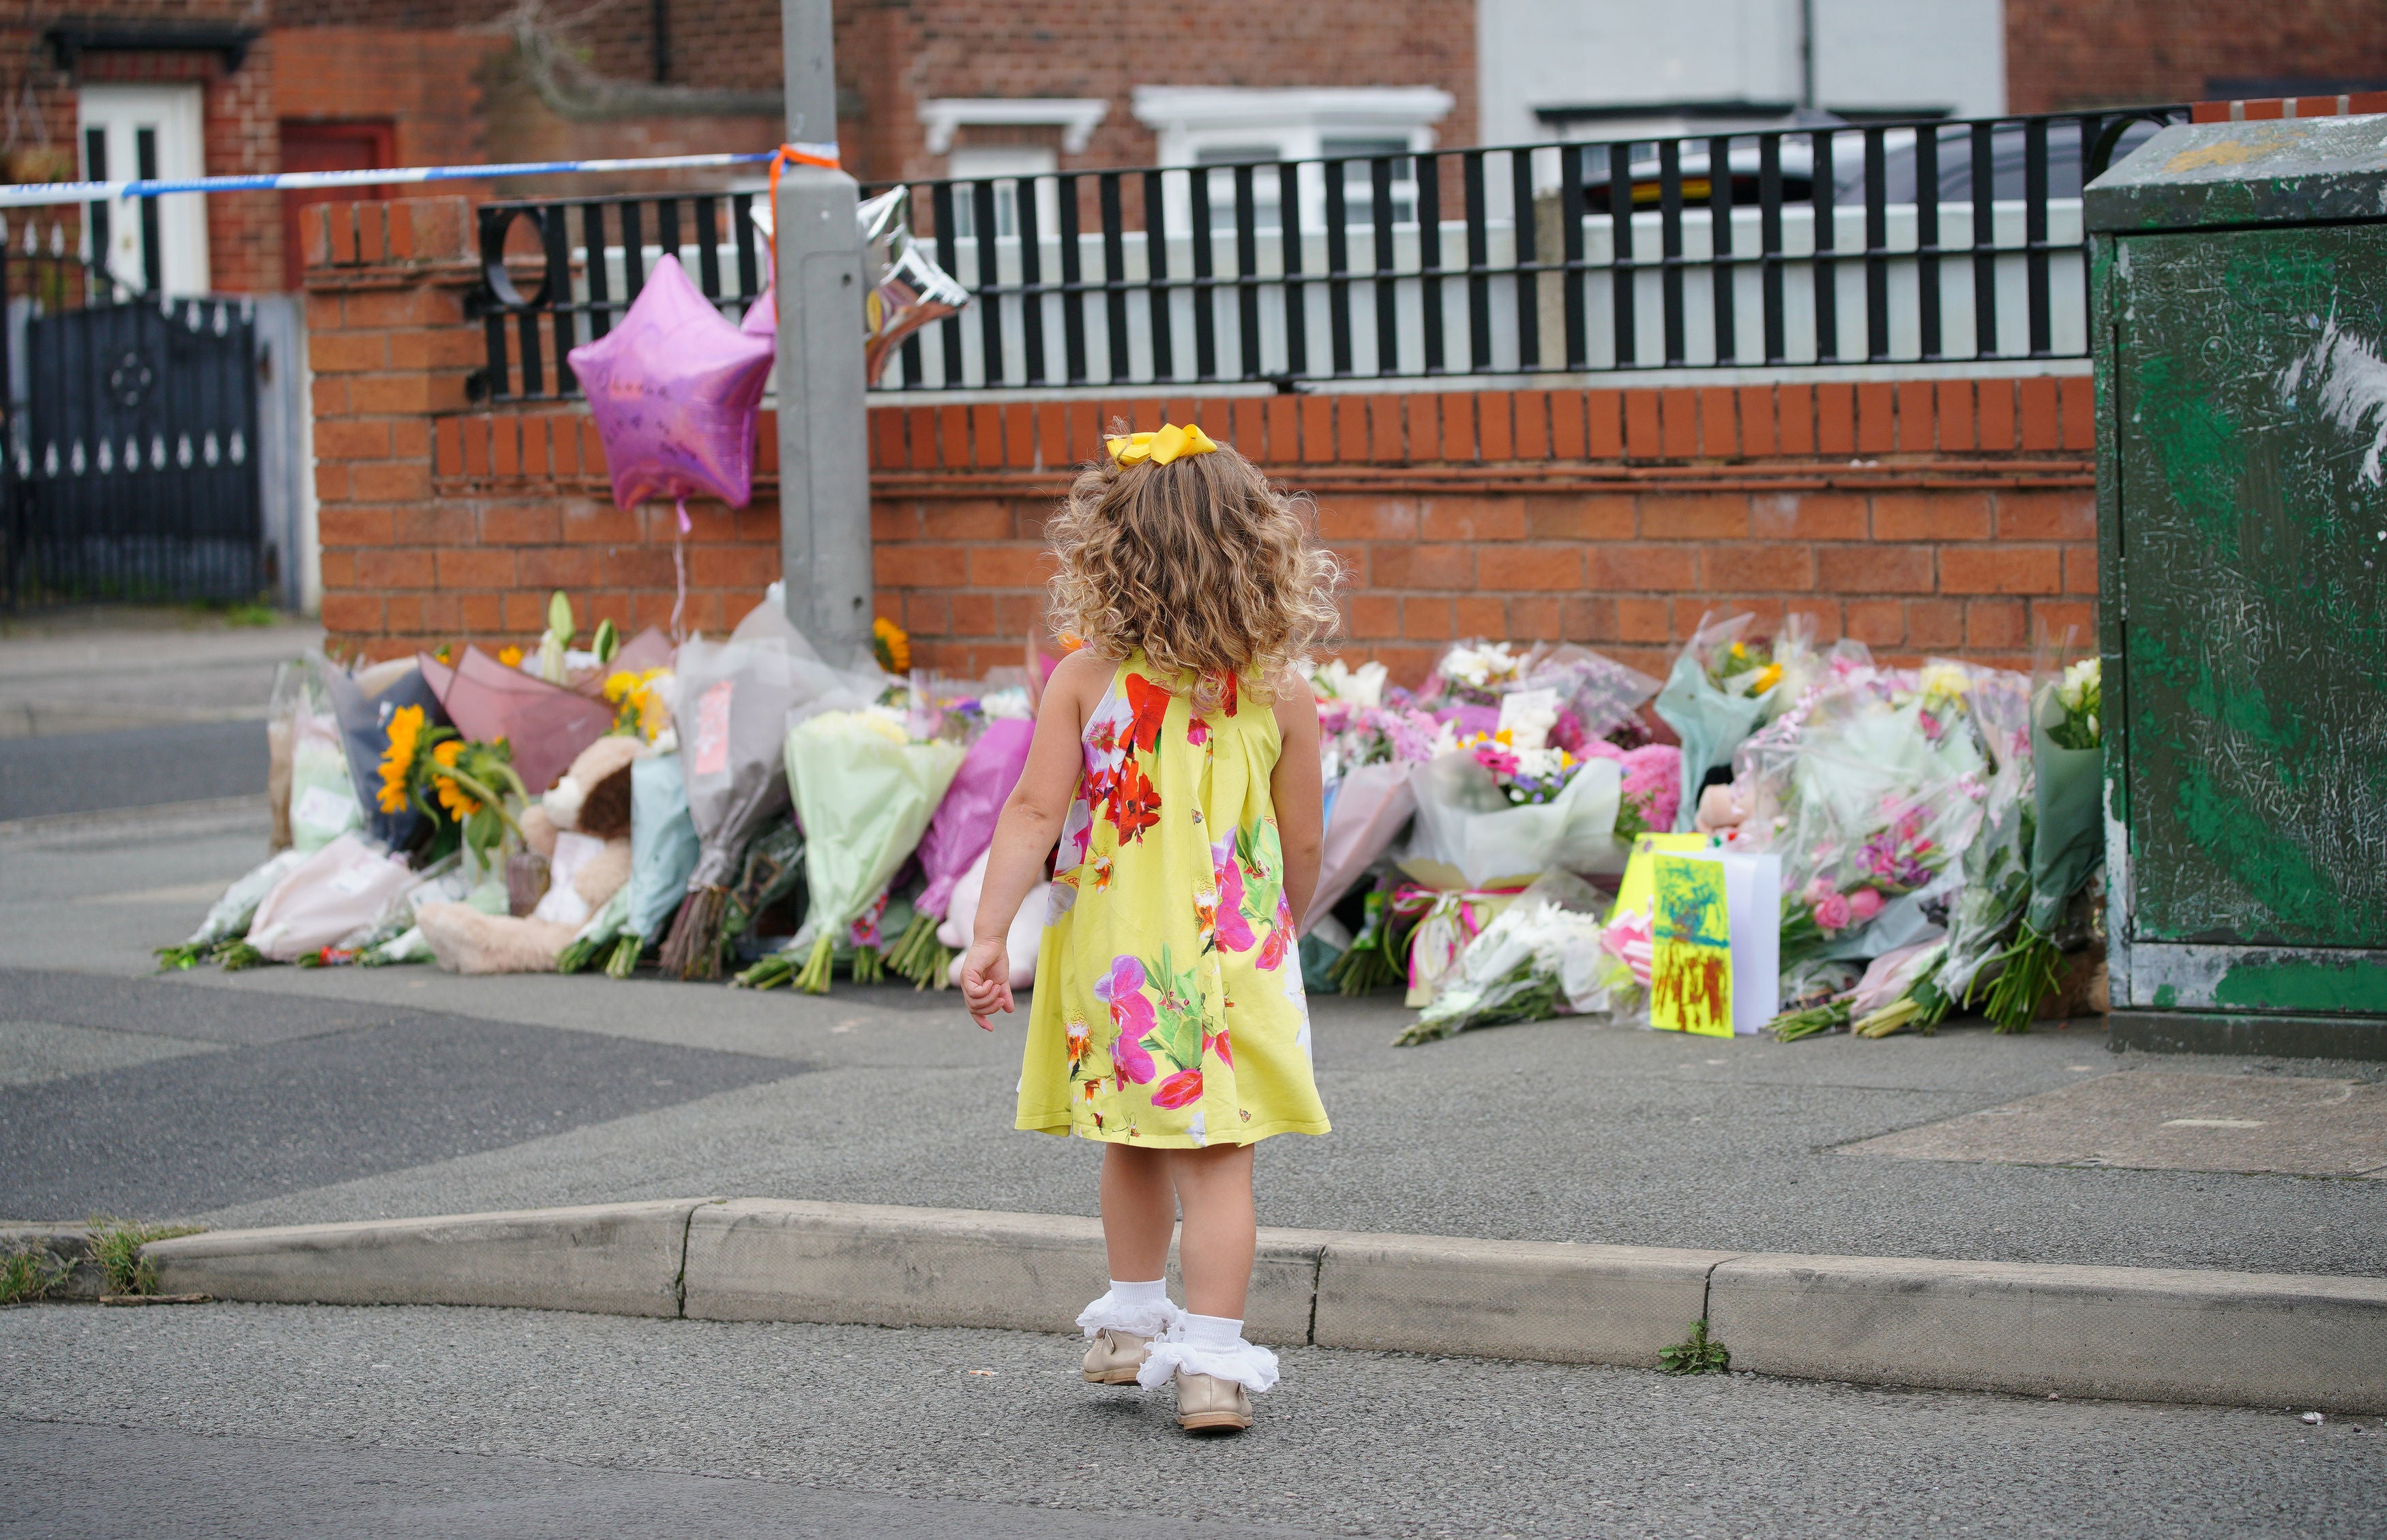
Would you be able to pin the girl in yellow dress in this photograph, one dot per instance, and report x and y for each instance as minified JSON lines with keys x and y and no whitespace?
{"x":1175,"y":766}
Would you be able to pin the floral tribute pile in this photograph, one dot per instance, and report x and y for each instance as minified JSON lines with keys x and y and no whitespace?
{"x":771,"y":818}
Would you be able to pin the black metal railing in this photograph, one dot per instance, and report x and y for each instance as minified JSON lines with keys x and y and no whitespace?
{"x":1835,"y":244}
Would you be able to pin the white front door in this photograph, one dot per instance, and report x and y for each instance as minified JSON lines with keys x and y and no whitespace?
{"x":146,"y":131}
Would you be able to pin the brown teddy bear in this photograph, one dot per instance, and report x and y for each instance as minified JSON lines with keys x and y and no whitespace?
{"x":582,"y":828}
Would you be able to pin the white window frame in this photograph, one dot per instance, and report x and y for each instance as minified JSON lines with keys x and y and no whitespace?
{"x":1076,"y":117}
{"x":1289,"y":124}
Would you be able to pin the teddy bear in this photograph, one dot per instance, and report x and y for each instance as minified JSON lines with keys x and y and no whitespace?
{"x":582,"y":828}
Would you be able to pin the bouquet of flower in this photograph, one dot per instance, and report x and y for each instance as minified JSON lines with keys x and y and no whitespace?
{"x":227,"y":918}
{"x":865,"y":789}
{"x":1474,"y":830}
{"x":957,"y":836}
{"x":1652,"y":785}
{"x":663,"y":851}
{"x":1723,"y":684}
{"x":1597,"y":699}
{"x":1871,"y":789}
{"x":1539,"y":958}
{"x":732,"y":718}
{"x":468,"y":789}
{"x":642,"y":701}
{"x":1898,"y":991}
{"x":2067,"y":837}
{"x":1473,"y":674}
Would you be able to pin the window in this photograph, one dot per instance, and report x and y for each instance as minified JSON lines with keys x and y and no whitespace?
{"x":1223,"y":126}
{"x":1008,"y":163}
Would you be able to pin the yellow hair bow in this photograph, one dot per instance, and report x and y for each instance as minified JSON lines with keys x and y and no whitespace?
{"x":1161,"y":447}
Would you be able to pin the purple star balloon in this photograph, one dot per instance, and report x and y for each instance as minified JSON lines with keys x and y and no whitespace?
{"x":674,"y":389}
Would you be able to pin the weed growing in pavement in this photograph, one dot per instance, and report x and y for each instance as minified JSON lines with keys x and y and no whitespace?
{"x":27,"y":1273}
{"x":1695,"y":1355}
{"x":117,"y":1244}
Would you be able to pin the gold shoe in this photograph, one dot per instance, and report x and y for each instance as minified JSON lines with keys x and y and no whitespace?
{"x":1206,"y":1404}
{"x":1115,"y":1357}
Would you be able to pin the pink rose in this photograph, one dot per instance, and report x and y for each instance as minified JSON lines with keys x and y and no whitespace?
{"x":1832,"y":913}
{"x":1865,"y":904}
{"x":1816,"y":891}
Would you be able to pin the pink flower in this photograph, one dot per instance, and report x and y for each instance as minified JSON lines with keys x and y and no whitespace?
{"x":1197,"y":732}
{"x":1178,"y":1089}
{"x":1496,"y":759}
{"x":1653,"y":781}
{"x":1122,"y":990}
{"x":1130,"y":1063}
{"x":1234,"y":931}
{"x":1865,"y":904}
{"x":1832,"y":913}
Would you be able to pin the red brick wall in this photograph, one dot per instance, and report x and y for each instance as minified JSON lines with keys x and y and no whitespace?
{"x":894,"y":54}
{"x":1948,"y":517}
{"x":2065,"y":54}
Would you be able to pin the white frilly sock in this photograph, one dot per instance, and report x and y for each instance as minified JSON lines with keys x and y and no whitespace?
{"x":1138,"y":1310}
{"x":1209,"y":1345}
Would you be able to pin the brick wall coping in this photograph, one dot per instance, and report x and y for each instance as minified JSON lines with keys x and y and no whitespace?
{"x":2034,"y":432}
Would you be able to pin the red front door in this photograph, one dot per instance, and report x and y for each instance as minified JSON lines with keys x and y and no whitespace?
{"x":319,"y":147}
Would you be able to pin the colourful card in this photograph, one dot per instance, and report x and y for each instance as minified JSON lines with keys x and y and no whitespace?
{"x":1690,"y":966}
{"x":1640,"y":880}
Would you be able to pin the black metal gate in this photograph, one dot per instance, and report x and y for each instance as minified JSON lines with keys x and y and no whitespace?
{"x":134,"y":474}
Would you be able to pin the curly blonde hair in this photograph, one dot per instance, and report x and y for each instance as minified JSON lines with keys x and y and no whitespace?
{"x":1200,"y":563}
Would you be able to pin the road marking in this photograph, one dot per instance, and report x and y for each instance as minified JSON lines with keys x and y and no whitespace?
{"x":2212,"y":1123}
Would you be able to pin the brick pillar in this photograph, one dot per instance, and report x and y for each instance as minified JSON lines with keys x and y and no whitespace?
{"x":390,"y":347}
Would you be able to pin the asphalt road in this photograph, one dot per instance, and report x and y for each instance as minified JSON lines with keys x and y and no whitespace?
{"x":287,"y":1095}
{"x":284,"y":1420}
{"x":140,"y":767}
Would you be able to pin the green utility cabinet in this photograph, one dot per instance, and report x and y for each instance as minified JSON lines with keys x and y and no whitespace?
{"x":2239,"y":273}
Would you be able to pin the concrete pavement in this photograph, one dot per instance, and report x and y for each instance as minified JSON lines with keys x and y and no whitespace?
{"x":1546,"y":1132}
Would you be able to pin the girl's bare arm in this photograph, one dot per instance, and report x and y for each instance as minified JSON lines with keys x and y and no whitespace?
{"x":1298,"y":794}
{"x":1028,"y":827}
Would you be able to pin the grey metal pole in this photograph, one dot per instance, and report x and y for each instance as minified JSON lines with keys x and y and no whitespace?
{"x":824,"y":430}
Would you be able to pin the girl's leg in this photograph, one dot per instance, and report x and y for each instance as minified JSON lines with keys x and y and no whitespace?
{"x":1215,"y":1188}
{"x":1139,"y":1211}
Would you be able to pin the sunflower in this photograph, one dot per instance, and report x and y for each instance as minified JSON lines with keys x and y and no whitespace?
{"x":451,"y":796}
{"x":398,"y":760}
{"x":892,"y":646}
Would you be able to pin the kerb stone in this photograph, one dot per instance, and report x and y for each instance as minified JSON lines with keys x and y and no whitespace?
{"x":1552,"y":1301}
{"x":619,"y":1259}
{"x":2133,"y":1334}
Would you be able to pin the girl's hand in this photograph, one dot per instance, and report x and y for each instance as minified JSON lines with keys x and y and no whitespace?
{"x":985,"y":982}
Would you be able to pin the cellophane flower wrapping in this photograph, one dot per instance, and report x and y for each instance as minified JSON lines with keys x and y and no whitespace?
{"x":1996,"y":865}
{"x":1467,"y":829}
{"x":1596,"y":695}
{"x":227,"y":918}
{"x":1365,"y":750}
{"x":341,"y":889}
{"x":664,"y":846}
{"x":964,"y":823}
{"x":1539,"y":958}
{"x":2069,"y":836}
{"x":865,"y":789}
{"x":1872,"y":788}
{"x":1723,"y":685}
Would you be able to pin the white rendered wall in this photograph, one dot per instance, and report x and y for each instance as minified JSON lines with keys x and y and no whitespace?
{"x":1868,"y":53}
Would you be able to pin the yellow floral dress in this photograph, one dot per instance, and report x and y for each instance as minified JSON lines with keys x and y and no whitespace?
{"x":1169,"y":1011}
